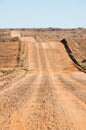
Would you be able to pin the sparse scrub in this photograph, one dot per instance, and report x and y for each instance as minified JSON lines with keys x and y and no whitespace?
{"x":15,"y":39}
{"x":6,"y":71}
{"x":84,"y":66}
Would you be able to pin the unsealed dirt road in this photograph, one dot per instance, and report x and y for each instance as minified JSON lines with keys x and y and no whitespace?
{"x":51,"y":96}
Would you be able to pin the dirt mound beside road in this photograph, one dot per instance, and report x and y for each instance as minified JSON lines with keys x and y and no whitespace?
{"x":72,"y":47}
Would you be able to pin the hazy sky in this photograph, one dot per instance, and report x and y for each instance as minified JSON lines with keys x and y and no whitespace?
{"x":42,"y":13}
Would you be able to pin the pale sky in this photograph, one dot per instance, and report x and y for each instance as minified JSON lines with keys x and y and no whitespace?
{"x":42,"y":13}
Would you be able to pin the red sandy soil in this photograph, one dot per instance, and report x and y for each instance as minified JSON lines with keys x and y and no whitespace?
{"x":51,"y":96}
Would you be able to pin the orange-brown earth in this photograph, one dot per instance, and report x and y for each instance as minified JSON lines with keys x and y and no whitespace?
{"x":50,"y":96}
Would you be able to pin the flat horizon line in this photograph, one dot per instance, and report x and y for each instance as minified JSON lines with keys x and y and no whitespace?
{"x":42,"y":28}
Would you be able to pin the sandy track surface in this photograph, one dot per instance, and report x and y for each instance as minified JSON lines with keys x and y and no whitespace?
{"x":52,"y":96}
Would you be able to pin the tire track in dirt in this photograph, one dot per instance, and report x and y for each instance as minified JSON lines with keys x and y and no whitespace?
{"x":48,"y":65}
{"x":33,"y":59}
{"x":40,"y":65}
{"x":54,"y":52}
{"x":35,"y":64}
{"x":25,"y":114}
{"x":13,"y":99}
{"x":49,"y":110}
{"x":47,"y":58}
{"x":76,"y":88}
{"x":43,"y":59}
{"x":74,"y":109}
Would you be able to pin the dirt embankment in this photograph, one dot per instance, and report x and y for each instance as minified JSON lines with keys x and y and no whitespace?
{"x":73,"y":57}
